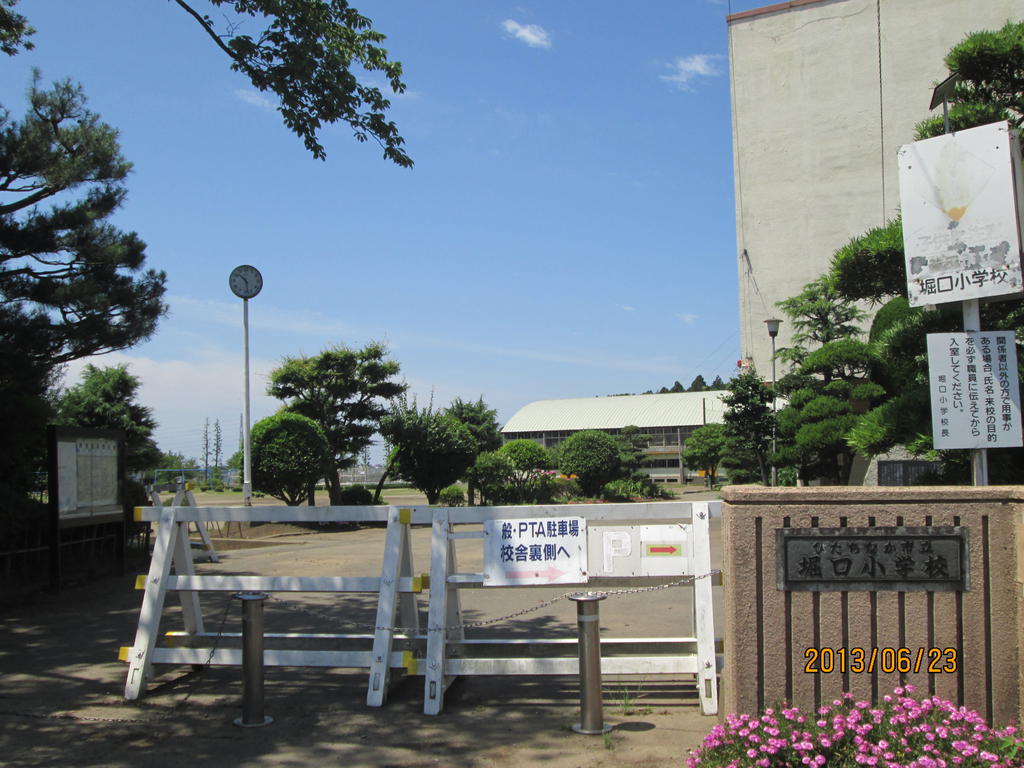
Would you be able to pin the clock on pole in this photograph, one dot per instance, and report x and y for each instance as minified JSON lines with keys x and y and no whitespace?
{"x":245,"y":281}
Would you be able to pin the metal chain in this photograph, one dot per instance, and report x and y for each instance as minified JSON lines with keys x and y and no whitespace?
{"x":686,"y":580}
{"x":209,"y":659}
{"x":292,"y":605}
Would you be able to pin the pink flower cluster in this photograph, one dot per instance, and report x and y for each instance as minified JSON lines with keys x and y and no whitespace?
{"x":904,"y":732}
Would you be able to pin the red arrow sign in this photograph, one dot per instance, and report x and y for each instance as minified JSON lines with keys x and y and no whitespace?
{"x":551,"y":574}
{"x":659,"y":550}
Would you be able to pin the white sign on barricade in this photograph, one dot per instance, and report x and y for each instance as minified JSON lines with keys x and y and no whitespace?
{"x":672,"y":541}
{"x":543,"y":551}
{"x":638,"y":550}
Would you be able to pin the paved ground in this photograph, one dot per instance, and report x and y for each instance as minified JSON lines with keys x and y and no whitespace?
{"x":60,"y":693}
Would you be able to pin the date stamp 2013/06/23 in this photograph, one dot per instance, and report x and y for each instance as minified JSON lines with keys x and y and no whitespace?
{"x":887,"y":660}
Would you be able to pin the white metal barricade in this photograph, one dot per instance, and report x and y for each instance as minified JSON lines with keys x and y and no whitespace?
{"x":609,"y":533}
{"x":183,"y":497}
{"x":446,"y":638}
{"x":396,"y":587}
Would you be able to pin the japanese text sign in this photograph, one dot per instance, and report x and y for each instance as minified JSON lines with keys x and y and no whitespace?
{"x":975,"y":395}
{"x":535,"y":551}
{"x":961,"y":231}
{"x":872,"y":559}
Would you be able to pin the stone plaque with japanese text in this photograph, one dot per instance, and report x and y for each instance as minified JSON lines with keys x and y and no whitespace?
{"x":872,"y":559}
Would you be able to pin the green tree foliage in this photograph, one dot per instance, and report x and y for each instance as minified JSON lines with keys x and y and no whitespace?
{"x":593,"y":457}
{"x":705,"y":449}
{"x":740,"y":463}
{"x":483,"y":424}
{"x":175,"y":460}
{"x":872,"y":268}
{"x":826,"y":394}
{"x":749,"y":420}
{"x":717,"y":384}
{"x":288,"y":451}
{"x":344,"y":391}
{"x":308,"y":54}
{"x":991,"y":67}
{"x":491,"y":475}
{"x":527,"y":483}
{"x":71,"y":285}
{"x":697,"y":385}
{"x":830,"y":386}
{"x":819,"y":314}
{"x":14,"y":29}
{"x":481,"y":420}
{"x":27,"y":403}
{"x":632,"y":454}
{"x":107,"y":398}
{"x":452,"y":496}
{"x":432,"y":449}
{"x":318,"y":57}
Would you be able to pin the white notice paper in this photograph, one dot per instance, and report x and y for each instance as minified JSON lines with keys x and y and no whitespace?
{"x":975,"y":394}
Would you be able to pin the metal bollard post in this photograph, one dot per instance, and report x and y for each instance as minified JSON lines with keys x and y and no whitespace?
{"x":252,"y":660}
{"x":588,"y":621}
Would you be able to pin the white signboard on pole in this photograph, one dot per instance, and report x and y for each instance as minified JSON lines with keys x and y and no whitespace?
{"x":638,"y":550}
{"x":975,"y":393}
{"x":961,"y":230}
{"x":551,"y":550}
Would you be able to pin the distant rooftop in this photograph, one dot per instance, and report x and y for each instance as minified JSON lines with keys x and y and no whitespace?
{"x":769,"y":9}
{"x":679,"y":409}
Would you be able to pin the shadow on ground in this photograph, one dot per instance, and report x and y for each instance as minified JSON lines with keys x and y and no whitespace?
{"x":61,"y":699}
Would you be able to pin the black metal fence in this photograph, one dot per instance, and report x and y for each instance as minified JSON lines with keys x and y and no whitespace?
{"x":904,"y":472}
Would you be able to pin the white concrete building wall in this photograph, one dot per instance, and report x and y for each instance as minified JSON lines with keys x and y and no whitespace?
{"x":824,"y":94}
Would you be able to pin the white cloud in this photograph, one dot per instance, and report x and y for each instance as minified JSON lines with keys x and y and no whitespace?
{"x":687,"y":318}
{"x":264,"y":315}
{"x":627,"y":308}
{"x":255,"y":98}
{"x":533,"y":35}
{"x":686,"y":69}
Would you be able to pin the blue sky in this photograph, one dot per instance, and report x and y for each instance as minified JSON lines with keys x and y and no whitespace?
{"x":567,"y":231}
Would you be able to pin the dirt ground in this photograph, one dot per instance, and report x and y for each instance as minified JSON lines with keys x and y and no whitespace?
{"x":61,"y":687}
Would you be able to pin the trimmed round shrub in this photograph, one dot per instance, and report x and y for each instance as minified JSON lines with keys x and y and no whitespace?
{"x":593,"y":457}
{"x":288,"y":452}
{"x":356,"y":495}
{"x":452,"y":496}
{"x":525,"y":454}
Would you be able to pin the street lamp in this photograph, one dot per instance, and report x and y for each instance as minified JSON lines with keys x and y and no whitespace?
{"x":773,"y":331}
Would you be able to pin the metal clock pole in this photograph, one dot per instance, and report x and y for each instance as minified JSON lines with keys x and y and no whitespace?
{"x":245,"y":282}
{"x":246,"y":455}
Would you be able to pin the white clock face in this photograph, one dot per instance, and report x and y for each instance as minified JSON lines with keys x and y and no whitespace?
{"x":245,"y":281}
